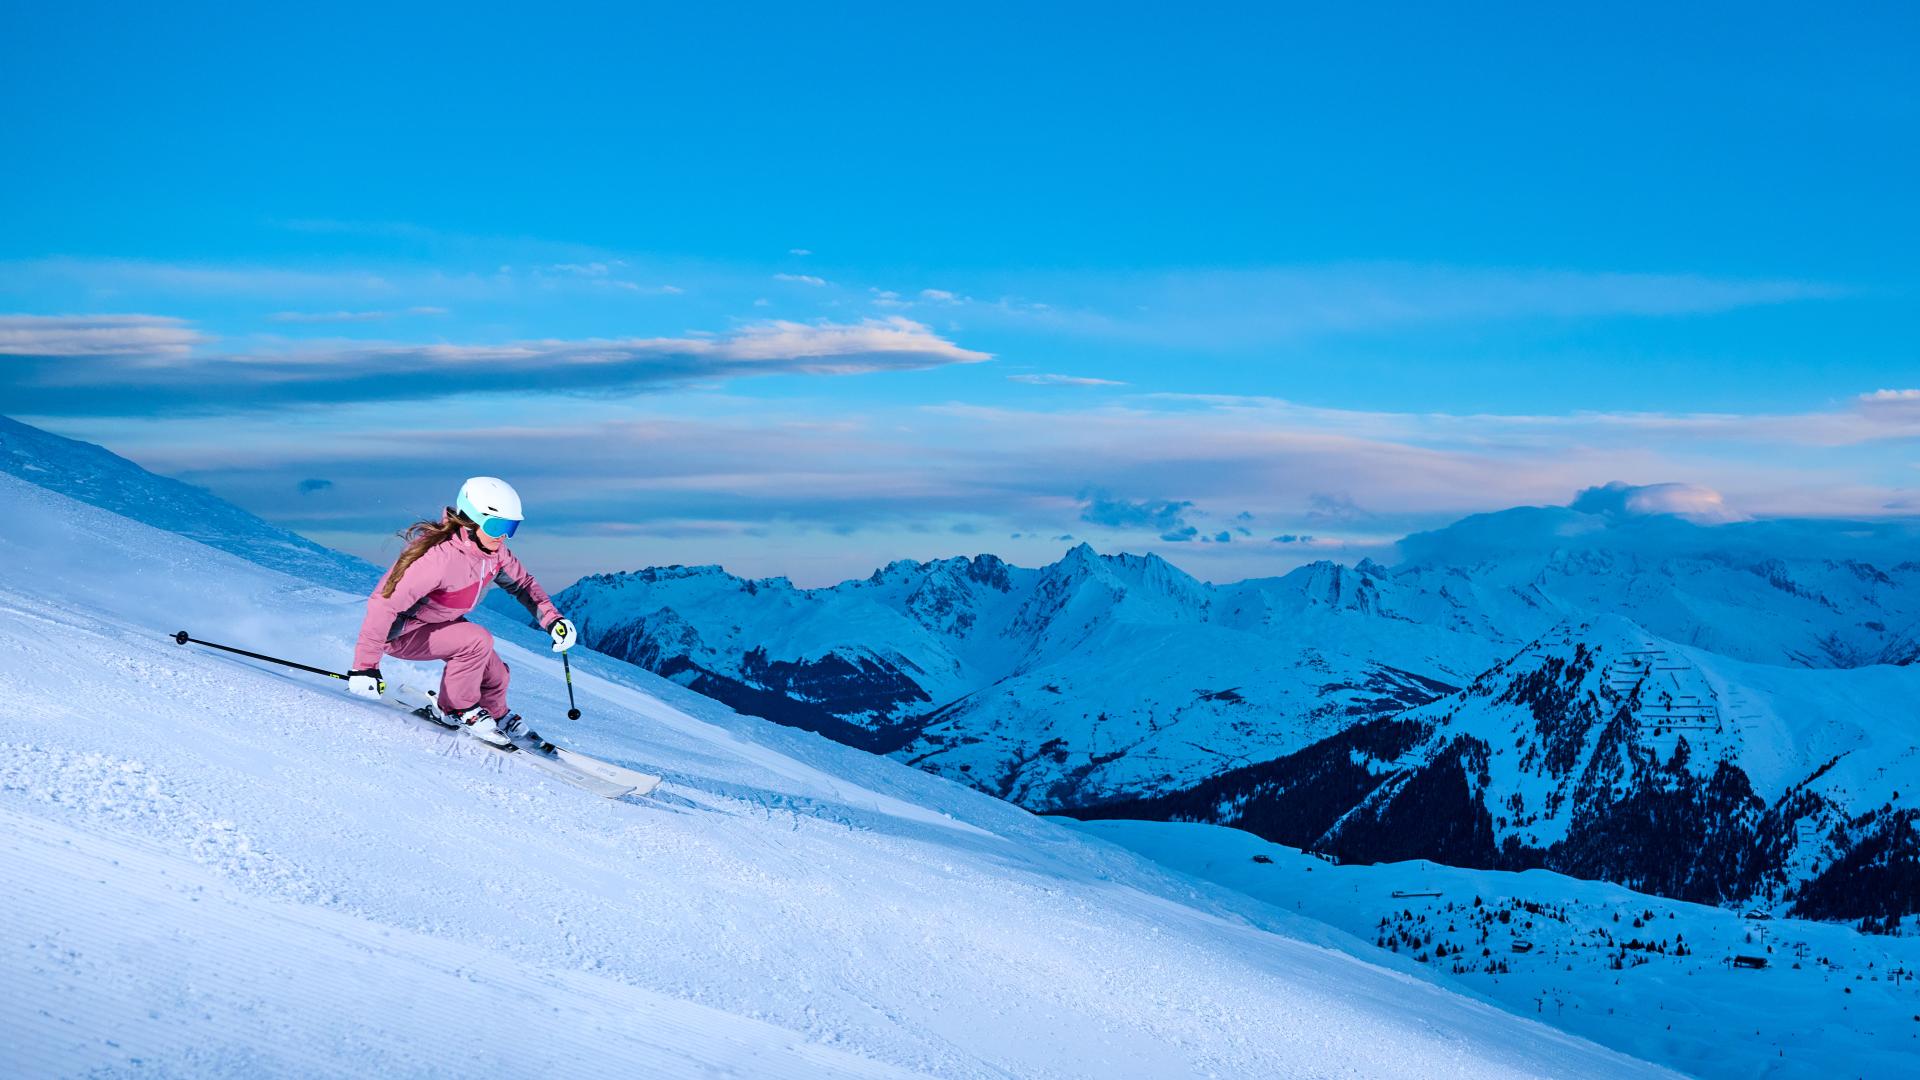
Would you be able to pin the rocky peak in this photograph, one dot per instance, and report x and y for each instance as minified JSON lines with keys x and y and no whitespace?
{"x":991,"y":571}
{"x":676,"y":572}
{"x":1329,"y":584}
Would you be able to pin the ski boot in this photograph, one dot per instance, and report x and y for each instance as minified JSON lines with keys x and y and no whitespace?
{"x":481,"y":725}
{"x":520,"y":733}
{"x":505,"y":734}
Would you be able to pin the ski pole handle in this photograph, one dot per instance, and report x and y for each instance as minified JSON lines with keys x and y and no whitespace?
{"x":573,"y":713}
{"x":182,"y":638}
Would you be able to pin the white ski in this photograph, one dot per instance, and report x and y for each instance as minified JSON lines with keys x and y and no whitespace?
{"x":587,"y":773}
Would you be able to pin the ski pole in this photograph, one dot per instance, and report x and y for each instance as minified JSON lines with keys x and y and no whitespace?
{"x":572,"y":712}
{"x":181,"y":638}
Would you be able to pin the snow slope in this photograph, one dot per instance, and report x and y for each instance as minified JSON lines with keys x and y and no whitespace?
{"x":217,"y":869}
{"x":96,"y":475}
{"x":1827,"y":1004}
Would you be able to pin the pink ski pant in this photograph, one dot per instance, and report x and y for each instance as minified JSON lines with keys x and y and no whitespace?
{"x":475,"y":674}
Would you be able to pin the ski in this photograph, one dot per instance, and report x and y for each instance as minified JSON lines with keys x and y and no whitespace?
{"x":569,"y":766}
{"x":643,"y":783}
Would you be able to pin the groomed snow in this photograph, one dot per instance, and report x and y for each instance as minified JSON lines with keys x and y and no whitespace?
{"x":1830,"y":1002}
{"x":213,"y":869}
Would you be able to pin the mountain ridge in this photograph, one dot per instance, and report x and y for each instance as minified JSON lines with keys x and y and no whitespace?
{"x":963,"y":664}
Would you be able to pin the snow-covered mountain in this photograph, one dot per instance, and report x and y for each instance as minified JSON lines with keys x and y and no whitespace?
{"x":1602,"y":751}
{"x":1101,"y":677}
{"x":214,"y":868}
{"x":1061,"y":686}
{"x":1798,"y":593}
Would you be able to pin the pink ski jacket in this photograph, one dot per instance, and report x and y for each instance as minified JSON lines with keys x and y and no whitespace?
{"x":443,"y":584}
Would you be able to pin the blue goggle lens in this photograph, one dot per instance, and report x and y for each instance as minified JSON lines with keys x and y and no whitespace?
{"x":499,"y":526}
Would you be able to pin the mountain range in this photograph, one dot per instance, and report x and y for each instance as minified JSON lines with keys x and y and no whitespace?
{"x":1352,"y":709}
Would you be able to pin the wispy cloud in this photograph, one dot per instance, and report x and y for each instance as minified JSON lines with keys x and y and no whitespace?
{"x":1864,"y":418}
{"x":351,"y":316}
{"x":801,"y":279}
{"x":1236,"y":308}
{"x":394,"y":285}
{"x":1168,"y":517}
{"x":1063,"y":380}
{"x":112,"y":276}
{"x":135,"y":368}
{"x":1898,"y":410}
{"x":86,"y":336}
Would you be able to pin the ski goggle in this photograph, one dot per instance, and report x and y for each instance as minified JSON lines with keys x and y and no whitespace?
{"x":491,"y":524}
{"x":498,"y":526}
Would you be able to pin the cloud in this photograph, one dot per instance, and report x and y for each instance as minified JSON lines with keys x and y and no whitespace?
{"x":1249,"y":307}
{"x":893,"y":299}
{"x":1621,"y":500}
{"x":182,"y":279}
{"x":598,"y":274}
{"x":325,"y":289}
{"x":587,"y":269}
{"x":313,"y":486}
{"x":1180,"y":535}
{"x":1292,"y":538}
{"x":1864,"y":418}
{"x":801,"y":279}
{"x":119,"y":368}
{"x":85,"y":336}
{"x":1167,"y":516}
{"x":350,"y":316}
{"x":798,"y":251}
{"x":1062,"y":380}
{"x":1896,"y":410}
{"x":1325,"y":507}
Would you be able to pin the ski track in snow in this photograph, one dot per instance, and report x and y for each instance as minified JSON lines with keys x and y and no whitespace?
{"x":165,"y":988}
{"x":218,"y":870}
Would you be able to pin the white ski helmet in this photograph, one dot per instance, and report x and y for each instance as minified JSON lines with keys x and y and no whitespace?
{"x":492,"y":504}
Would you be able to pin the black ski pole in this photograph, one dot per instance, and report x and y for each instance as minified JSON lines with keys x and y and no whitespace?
{"x":181,"y":638}
{"x":572,"y":712}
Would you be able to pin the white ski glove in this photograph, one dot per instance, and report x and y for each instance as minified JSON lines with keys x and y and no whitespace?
{"x":563,"y":634}
{"x":366,"y":683}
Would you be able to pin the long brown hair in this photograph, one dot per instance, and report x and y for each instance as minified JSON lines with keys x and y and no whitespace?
{"x":420,"y":536}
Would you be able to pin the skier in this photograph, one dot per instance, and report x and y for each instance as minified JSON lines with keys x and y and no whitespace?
{"x":418,"y":610}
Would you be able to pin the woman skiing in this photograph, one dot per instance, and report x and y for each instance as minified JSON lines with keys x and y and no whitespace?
{"x":418,"y":610}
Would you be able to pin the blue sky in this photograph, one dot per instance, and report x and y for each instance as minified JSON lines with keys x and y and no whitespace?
{"x":803,"y":291}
